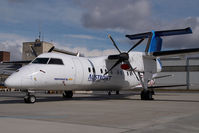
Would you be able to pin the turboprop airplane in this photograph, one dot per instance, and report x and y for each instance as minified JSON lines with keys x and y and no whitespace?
{"x":57,"y":71}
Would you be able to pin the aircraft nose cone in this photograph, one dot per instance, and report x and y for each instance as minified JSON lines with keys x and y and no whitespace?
{"x":13,"y":82}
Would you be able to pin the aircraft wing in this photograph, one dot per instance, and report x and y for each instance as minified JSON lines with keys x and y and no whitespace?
{"x":162,"y":76}
{"x":162,"y":86}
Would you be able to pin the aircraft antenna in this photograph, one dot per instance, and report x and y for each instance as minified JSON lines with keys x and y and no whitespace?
{"x":39,"y":28}
{"x":42,"y":36}
{"x":39,"y":35}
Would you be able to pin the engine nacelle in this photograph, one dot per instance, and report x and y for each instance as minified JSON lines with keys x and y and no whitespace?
{"x":144,"y":63}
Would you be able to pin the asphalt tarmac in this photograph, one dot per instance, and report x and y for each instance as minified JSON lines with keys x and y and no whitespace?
{"x":99,"y":113}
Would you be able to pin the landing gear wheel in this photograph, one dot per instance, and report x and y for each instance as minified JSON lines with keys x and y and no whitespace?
{"x":117,"y":92}
{"x":29,"y":99}
{"x":32,"y":99}
{"x":68,"y":94}
{"x":146,"y":95}
{"x":109,"y":93}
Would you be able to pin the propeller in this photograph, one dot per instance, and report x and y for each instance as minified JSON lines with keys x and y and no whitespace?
{"x":122,"y":56}
{"x":114,"y":43}
{"x":51,"y":49}
{"x":33,"y":51}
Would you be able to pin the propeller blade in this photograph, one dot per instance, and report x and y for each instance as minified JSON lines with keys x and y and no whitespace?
{"x":133,"y":69}
{"x":114,"y":43}
{"x":136,"y":44}
{"x":135,"y":74}
{"x":118,"y":62}
{"x":51,"y":49}
{"x":33,"y":51}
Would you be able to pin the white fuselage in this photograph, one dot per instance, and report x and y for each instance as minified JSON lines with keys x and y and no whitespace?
{"x":78,"y":73}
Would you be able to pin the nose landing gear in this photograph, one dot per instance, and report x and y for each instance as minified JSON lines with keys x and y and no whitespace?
{"x":29,"y":98}
{"x":68,"y":94}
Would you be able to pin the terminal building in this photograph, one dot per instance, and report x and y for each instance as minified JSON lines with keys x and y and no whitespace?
{"x":4,"y":56}
{"x":32,"y":49}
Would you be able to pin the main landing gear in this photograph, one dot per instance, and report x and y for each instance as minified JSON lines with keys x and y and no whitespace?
{"x":29,"y":98}
{"x":146,"y":94}
{"x":68,"y":94}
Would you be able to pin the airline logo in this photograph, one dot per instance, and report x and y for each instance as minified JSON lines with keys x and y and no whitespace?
{"x":93,"y":77}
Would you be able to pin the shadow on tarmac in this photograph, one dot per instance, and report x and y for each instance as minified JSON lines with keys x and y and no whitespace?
{"x":184,"y":101}
{"x":12,"y":99}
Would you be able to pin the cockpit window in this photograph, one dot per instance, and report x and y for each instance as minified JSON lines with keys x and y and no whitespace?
{"x":55,"y":61}
{"x":40,"y":61}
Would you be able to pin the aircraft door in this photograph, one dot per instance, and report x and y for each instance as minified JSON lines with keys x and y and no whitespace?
{"x":78,"y":71}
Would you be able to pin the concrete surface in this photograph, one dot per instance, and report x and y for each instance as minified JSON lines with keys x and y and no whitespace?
{"x":169,"y":112}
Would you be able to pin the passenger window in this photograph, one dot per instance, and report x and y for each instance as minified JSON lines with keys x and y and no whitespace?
{"x":40,"y":61}
{"x":55,"y":61}
{"x":89,"y":69}
{"x":106,"y":71}
{"x":93,"y":70}
{"x":101,"y":70}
